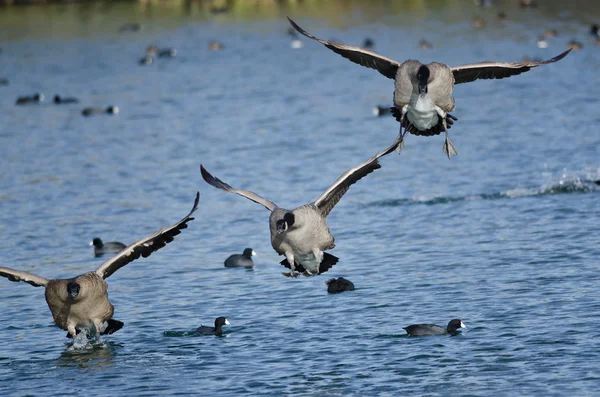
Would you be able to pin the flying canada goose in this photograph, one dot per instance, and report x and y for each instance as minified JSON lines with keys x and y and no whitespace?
{"x":433,"y":329}
{"x":302,"y":234}
{"x":423,"y":93}
{"x":82,"y":301}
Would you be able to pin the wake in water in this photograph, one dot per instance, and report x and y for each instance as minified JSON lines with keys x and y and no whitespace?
{"x":567,"y":183}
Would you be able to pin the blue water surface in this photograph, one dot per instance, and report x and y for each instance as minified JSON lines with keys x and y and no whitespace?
{"x":504,"y":236}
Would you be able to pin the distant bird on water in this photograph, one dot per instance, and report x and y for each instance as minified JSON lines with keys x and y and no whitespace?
{"x":381,"y":110}
{"x":3,"y":81}
{"x":241,"y":260}
{"x":37,"y":98}
{"x":423,"y":93}
{"x":432,"y":329}
{"x":302,"y":234}
{"x":91,"y":111}
{"x":216,"y":330}
{"x":340,"y":284}
{"x":101,"y":248}
{"x":63,"y":101}
{"x":82,"y":302}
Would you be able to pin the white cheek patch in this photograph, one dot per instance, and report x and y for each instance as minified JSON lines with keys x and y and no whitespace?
{"x":253,"y":253}
{"x":462,"y":325}
{"x":226,"y":322}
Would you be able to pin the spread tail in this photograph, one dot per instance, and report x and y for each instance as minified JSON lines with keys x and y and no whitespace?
{"x":326,"y":264}
{"x":111,"y":327}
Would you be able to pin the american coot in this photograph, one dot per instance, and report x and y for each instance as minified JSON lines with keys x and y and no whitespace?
{"x":111,"y":247}
{"x":302,"y":234}
{"x":243,"y":260}
{"x":167,"y":53}
{"x":381,"y":110}
{"x":216,"y":330}
{"x":60,"y":100}
{"x":432,"y":329}
{"x":340,"y":284}
{"x":82,"y":301}
{"x":37,"y":98}
{"x":91,"y":111}
{"x":423,"y":93}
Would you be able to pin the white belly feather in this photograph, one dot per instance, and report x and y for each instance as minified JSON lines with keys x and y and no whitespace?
{"x":421,"y":112}
{"x":309,"y":261}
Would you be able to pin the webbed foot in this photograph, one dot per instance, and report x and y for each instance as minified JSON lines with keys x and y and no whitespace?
{"x":449,"y":148}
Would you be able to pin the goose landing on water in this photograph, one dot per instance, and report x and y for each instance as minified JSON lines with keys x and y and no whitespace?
{"x":82,"y":302}
{"x":423,"y":93}
{"x":302,"y":234}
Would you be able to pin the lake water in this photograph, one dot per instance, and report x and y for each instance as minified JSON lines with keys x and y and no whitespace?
{"x":505,"y":236}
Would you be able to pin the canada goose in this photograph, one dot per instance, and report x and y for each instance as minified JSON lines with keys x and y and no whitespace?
{"x":340,"y":284}
{"x":91,"y":111}
{"x":101,"y":248}
{"x":432,"y":329}
{"x":423,"y":93}
{"x":37,"y":98}
{"x":60,"y":100}
{"x":243,"y":260}
{"x":216,"y":330}
{"x":302,"y":234}
{"x":82,"y":301}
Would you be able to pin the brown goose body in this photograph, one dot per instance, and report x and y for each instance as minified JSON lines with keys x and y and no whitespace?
{"x":89,"y":309}
{"x":302,"y":235}
{"x":82,"y":302}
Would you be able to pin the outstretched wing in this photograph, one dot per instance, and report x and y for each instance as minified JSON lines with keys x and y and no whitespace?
{"x":362,"y":56}
{"x":219,"y":184}
{"x":29,"y":278}
{"x":496,"y":70}
{"x":146,"y":246}
{"x":330,"y":198}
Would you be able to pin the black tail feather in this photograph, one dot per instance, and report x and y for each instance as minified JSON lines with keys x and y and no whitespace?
{"x":326,"y":264}
{"x":112,"y":327}
{"x":297,"y":267}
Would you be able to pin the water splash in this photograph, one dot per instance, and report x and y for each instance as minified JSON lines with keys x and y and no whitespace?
{"x":567,"y":183}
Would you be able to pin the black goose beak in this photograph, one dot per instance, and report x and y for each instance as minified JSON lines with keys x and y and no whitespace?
{"x":73,"y":289}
